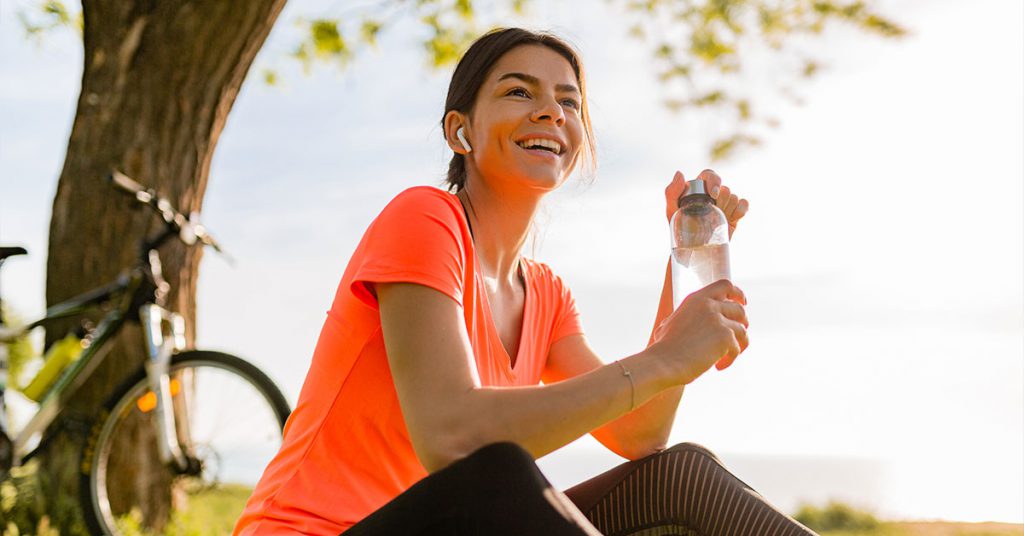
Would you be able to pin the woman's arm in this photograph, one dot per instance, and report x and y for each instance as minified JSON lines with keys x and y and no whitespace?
{"x":637,"y":433}
{"x":449,"y":414}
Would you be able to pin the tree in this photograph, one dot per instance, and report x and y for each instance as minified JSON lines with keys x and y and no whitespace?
{"x":160,"y":78}
{"x":158,"y":82}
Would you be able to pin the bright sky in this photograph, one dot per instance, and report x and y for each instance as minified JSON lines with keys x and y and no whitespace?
{"x":882,"y":255}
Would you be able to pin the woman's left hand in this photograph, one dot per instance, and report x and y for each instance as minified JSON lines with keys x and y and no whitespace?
{"x":729,"y":203}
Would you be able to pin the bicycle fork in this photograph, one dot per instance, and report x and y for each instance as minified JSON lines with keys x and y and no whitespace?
{"x":171,"y":433}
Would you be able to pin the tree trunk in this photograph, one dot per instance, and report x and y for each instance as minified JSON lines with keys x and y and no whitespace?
{"x":158,"y":82}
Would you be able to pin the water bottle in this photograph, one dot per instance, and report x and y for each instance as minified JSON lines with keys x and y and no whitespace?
{"x":700,"y":243}
{"x":61,"y":354}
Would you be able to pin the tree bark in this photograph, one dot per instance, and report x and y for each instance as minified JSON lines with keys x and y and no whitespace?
{"x":158,"y":82}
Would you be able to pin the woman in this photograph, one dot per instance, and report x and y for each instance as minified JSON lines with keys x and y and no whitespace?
{"x":422,"y":411}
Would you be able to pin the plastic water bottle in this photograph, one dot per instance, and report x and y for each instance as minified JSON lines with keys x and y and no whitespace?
{"x":700,"y":243}
{"x":61,"y":354}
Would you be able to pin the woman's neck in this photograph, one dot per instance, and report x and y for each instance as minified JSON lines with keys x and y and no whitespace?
{"x":500,"y":222}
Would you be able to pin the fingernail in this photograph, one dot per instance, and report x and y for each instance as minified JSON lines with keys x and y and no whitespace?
{"x":714,"y":191}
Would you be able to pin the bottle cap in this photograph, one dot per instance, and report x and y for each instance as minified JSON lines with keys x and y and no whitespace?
{"x":695,"y":188}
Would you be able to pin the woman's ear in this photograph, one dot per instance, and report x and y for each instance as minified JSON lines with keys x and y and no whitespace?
{"x":455,"y":132}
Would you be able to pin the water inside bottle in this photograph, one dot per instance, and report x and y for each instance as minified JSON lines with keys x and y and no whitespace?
{"x":696,"y":268}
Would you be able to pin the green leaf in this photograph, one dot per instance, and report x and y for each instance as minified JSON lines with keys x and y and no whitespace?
{"x":270,"y":77}
{"x":464,"y":8}
{"x":705,"y":45}
{"x":58,"y":10}
{"x":743,"y":109}
{"x":326,"y":38}
{"x":369,"y":31}
{"x":709,"y":99}
{"x":675,"y":105}
{"x":636,"y":31}
{"x":810,"y":68}
{"x":676,"y":71}
{"x":725,"y":148}
{"x":883,"y":27}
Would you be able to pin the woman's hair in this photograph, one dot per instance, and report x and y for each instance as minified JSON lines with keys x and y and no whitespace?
{"x":476,"y":64}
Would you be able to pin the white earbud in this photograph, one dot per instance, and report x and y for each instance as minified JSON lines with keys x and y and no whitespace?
{"x":461,"y":134}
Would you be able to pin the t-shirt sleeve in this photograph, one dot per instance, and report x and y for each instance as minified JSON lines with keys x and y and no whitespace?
{"x":416,"y":239}
{"x":567,"y":316}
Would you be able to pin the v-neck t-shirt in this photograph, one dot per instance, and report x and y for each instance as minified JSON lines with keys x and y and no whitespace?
{"x":346,"y":450}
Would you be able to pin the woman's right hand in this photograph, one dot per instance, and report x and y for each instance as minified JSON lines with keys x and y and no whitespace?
{"x":708,"y":328}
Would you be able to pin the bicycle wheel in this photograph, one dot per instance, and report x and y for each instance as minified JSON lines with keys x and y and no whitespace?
{"x":235,"y":417}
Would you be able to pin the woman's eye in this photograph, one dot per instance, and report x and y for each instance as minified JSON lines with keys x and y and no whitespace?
{"x":571,"y":103}
{"x":518,"y":91}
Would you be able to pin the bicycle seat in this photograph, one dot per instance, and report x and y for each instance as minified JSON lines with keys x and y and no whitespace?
{"x":10,"y":251}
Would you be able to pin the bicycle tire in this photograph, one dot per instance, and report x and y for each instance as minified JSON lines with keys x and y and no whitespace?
{"x":127,"y":414}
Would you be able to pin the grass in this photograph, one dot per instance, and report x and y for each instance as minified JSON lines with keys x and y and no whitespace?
{"x":935,"y":528}
{"x":214,"y":512}
{"x":838,"y":519}
{"x":23,"y":511}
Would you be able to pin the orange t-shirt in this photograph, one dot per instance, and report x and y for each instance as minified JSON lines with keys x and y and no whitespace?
{"x":346,"y":450}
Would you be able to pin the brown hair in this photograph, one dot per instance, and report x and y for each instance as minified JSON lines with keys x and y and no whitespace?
{"x":476,"y":64}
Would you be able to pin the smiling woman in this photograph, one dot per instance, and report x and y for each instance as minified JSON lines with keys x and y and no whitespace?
{"x":449,"y":362}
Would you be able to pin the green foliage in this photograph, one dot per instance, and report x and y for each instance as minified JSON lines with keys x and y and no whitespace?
{"x":700,"y":43}
{"x":210,"y":512}
{"x":836,"y":516}
{"x":452,"y":25}
{"x":696,"y":44}
{"x":20,"y":352}
{"x":270,"y":77}
{"x":370,"y":29}
{"x":324,"y":41}
{"x":49,"y":15}
{"x":22,"y":506}
{"x":25,"y":512}
{"x":724,"y":147}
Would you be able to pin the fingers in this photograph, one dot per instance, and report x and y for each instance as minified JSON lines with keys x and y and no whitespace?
{"x":676,"y":187}
{"x":731,"y":205}
{"x":739,"y":343}
{"x":727,"y":201}
{"x":673,"y":192}
{"x":712,"y":181}
{"x":723,"y":290}
{"x":735,"y":312}
{"x":741,"y":210}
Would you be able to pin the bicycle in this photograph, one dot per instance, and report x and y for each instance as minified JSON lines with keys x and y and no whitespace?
{"x":172,"y":409}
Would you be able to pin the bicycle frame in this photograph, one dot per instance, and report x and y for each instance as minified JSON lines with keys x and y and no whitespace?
{"x":140,"y":292}
{"x":164,"y":335}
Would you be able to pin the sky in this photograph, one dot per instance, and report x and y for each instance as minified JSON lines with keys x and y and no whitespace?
{"x":882,"y":257}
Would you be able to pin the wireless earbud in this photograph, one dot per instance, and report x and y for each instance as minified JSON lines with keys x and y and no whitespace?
{"x":461,"y":134}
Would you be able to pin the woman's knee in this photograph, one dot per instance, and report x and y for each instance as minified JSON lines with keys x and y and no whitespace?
{"x":694,"y":448}
{"x":503,"y":453}
{"x":502,"y":461}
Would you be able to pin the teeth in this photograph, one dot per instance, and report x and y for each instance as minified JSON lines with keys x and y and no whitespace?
{"x":537,"y":142}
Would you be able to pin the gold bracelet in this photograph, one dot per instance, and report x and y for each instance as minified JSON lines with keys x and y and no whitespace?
{"x":632,"y":388}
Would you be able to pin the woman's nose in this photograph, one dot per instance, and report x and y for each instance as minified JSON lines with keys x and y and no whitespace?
{"x":549,"y":110}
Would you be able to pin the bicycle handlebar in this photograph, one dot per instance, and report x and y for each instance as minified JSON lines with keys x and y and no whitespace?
{"x":187,"y":229}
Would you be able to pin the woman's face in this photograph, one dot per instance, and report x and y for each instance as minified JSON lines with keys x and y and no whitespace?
{"x":526,"y":126}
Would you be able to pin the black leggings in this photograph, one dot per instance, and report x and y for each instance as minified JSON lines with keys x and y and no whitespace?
{"x":498,"y":490}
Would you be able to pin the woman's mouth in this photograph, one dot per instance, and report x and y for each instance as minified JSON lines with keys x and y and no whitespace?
{"x":541,"y":146}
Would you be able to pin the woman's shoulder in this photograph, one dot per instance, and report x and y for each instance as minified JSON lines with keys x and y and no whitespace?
{"x":420,"y":215}
{"x":541,"y":271}
{"x":426,"y":196}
